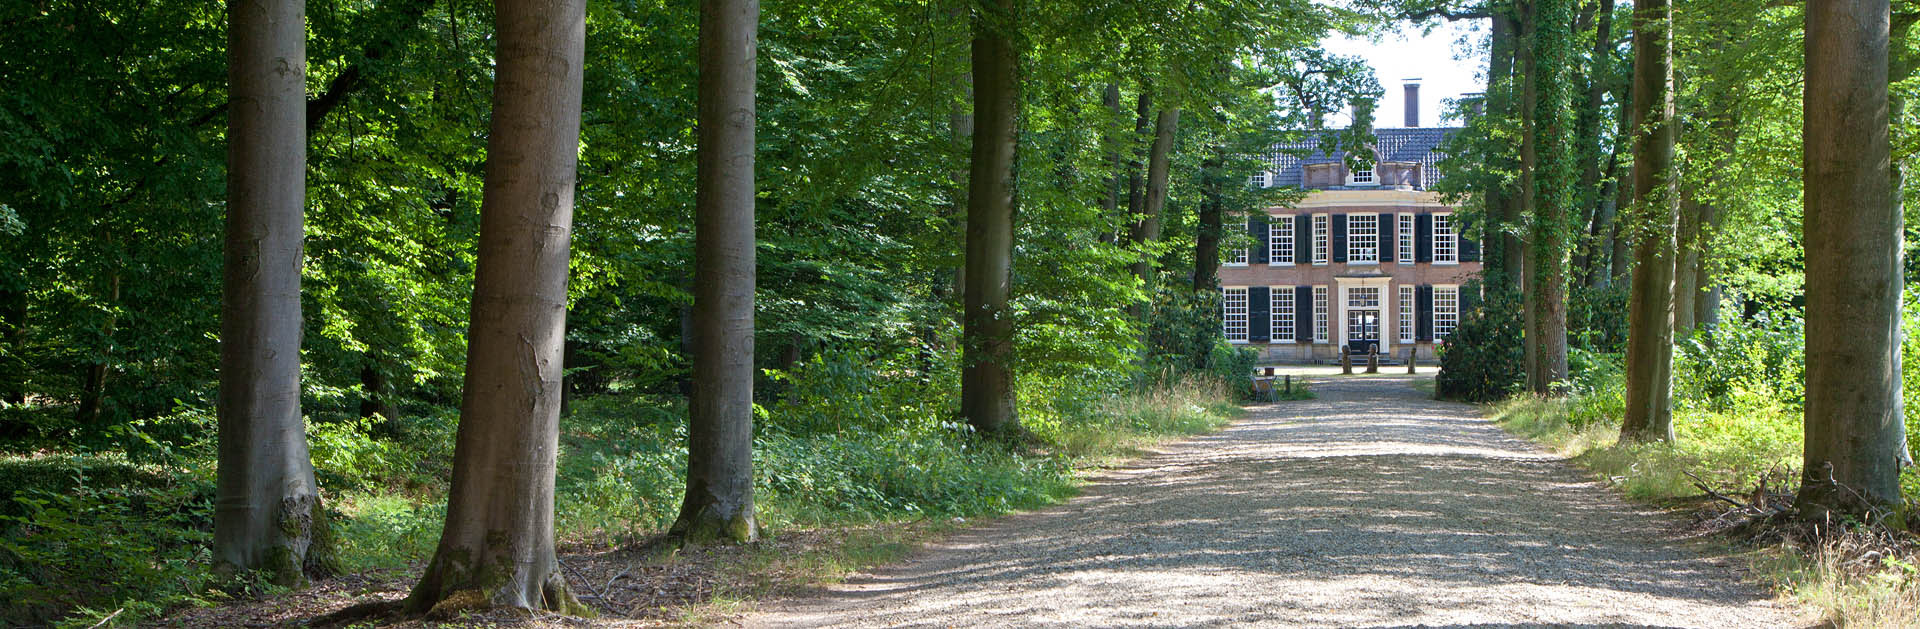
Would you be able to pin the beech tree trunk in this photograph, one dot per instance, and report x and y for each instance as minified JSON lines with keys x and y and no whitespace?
{"x":1506,"y":260}
{"x":1211,"y":226}
{"x":267,"y":513}
{"x":496,"y":549}
{"x":1146,"y":230}
{"x":1111,"y":202}
{"x":719,"y":501}
{"x":1136,"y":179}
{"x":1686,"y":266}
{"x":1853,"y":422}
{"x":1656,"y":216}
{"x":986,"y":377}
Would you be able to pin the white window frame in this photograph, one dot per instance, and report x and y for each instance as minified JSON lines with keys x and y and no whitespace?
{"x":1235,"y":308}
{"x":1364,"y":297}
{"x":1281,"y":316}
{"x":1320,"y":331}
{"x":1359,"y":243}
{"x":1322,"y":237}
{"x":1405,"y":241}
{"x":1446,"y":310}
{"x":1406,"y":321}
{"x":1260,"y":179}
{"x":1280,"y":242}
{"x":1446,"y":246}
{"x":1363,"y":176}
{"x":1236,"y":257}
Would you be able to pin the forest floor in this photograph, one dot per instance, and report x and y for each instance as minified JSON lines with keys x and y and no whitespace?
{"x":1372,"y":505}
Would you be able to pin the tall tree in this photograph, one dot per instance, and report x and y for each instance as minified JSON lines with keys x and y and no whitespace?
{"x":1655,"y":221}
{"x":497,"y":544}
{"x":1853,"y":421}
{"x":1504,"y":208}
{"x":986,"y":379}
{"x":1593,"y":158}
{"x":719,"y":500}
{"x":268,"y":514}
{"x":1548,"y":185}
{"x":1146,"y":226}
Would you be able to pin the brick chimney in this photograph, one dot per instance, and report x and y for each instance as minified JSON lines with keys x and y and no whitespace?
{"x":1413,"y":103}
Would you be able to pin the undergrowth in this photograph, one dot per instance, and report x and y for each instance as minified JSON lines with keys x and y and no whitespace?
{"x":1737,"y":427}
{"x":844,"y":448}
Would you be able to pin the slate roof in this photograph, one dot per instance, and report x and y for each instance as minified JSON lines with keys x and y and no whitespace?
{"x":1419,"y":144}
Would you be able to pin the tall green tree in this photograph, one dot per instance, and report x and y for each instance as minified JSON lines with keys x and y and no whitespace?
{"x":1854,"y":412}
{"x":496,"y":548}
{"x":268,"y":514}
{"x":987,"y":398}
{"x":1654,"y":224}
{"x":719,"y":499}
{"x":1548,"y":184}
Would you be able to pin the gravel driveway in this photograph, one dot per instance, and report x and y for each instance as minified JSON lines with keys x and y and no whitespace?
{"x":1370,"y":506}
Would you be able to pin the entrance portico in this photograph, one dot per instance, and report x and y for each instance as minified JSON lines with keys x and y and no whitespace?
{"x":1362,"y":311}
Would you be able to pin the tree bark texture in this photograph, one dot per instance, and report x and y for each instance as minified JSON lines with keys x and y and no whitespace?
{"x":1136,"y":179}
{"x":496,"y":549}
{"x":1655,"y":220}
{"x":719,"y":500}
{"x":1504,"y":207}
{"x":1211,"y":224}
{"x":986,"y":379}
{"x":267,"y":514}
{"x":1853,"y":418}
{"x":1146,"y":228}
{"x":1548,"y":155}
{"x":1687,"y":262}
{"x":1111,"y":202}
{"x":1592,"y":193}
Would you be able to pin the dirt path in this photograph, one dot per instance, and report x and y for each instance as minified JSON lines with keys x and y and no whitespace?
{"x":1371,"y":506}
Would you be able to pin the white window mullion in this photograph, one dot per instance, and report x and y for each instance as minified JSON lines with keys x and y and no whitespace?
{"x":1233,"y":304}
{"x":1405,"y":240}
{"x":1283,"y":324}
{"x":1406,"y":313}
{"x":1280,"y":242}
{"x":1446,"y":310}
{"x":1446,"y":248}
{"x":1320,"y":334}
{"x":1320,"y":239}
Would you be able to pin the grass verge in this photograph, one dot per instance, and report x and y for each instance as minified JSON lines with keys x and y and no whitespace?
{"x":1856,"y":578}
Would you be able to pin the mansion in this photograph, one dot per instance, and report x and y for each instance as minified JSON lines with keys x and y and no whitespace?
{"x":1371,"y":260}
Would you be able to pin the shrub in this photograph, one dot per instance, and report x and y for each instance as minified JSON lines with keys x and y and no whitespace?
{"x":1483,"y":359}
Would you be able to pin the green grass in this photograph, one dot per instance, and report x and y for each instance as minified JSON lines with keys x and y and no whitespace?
{"x":867,"y":471}
{"x":1752,"y":440}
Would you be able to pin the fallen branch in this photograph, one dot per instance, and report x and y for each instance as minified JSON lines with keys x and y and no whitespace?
{"x":1714,"y":494}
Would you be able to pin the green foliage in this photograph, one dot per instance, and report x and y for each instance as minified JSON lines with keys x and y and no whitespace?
{"x":1597,"y":318}
{"x":1483,"y":360}
{"x":1759,"y":357}
{"x":96,"y":546}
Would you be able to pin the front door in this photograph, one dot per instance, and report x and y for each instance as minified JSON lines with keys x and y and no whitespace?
{"x":1363,"y":331}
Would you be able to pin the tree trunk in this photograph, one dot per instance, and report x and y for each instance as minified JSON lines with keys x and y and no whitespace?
{"x":1211,"y":227}
{"x":1854,"y":429}
{"x":93,"y":381}
{"x":1592,"y":194}
{"x":1686,"y":262}
{"x":1656,"y":216}
{"x":1548,"y":173}
{"x":1146,"y":229}
{"x":1136,"y":192}
{"x":1600,"y":263}
{"x":1110,"y":204}
{"x":1506,"y":260}
{"x":13,"y":325}
{"x":986,"y":379}
{"x":719,"y":501}
{"x":497,"y":546}
{"x":267,"y":515}
{"x":1620,"y":263}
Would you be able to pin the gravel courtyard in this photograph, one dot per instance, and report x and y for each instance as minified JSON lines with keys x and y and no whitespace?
{"x":1371,"y":506}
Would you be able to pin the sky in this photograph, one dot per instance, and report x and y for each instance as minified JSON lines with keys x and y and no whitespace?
{"x":1434,"y":58}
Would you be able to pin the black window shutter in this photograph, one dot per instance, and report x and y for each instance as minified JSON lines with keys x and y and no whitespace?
{"x":1259,"y":315}
{"x":1423,"y":313}
{"x":1469,"y":248}
{"x":1303,"y":314}
{"x":1387,"y":230}
{"x":1303,"y":239}
{"x":1257,"y":227}
{"x":1339,"y":243}
{"x":1423,"y":238}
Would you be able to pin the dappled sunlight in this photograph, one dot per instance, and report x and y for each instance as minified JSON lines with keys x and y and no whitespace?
{"x":1370,"y":506}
